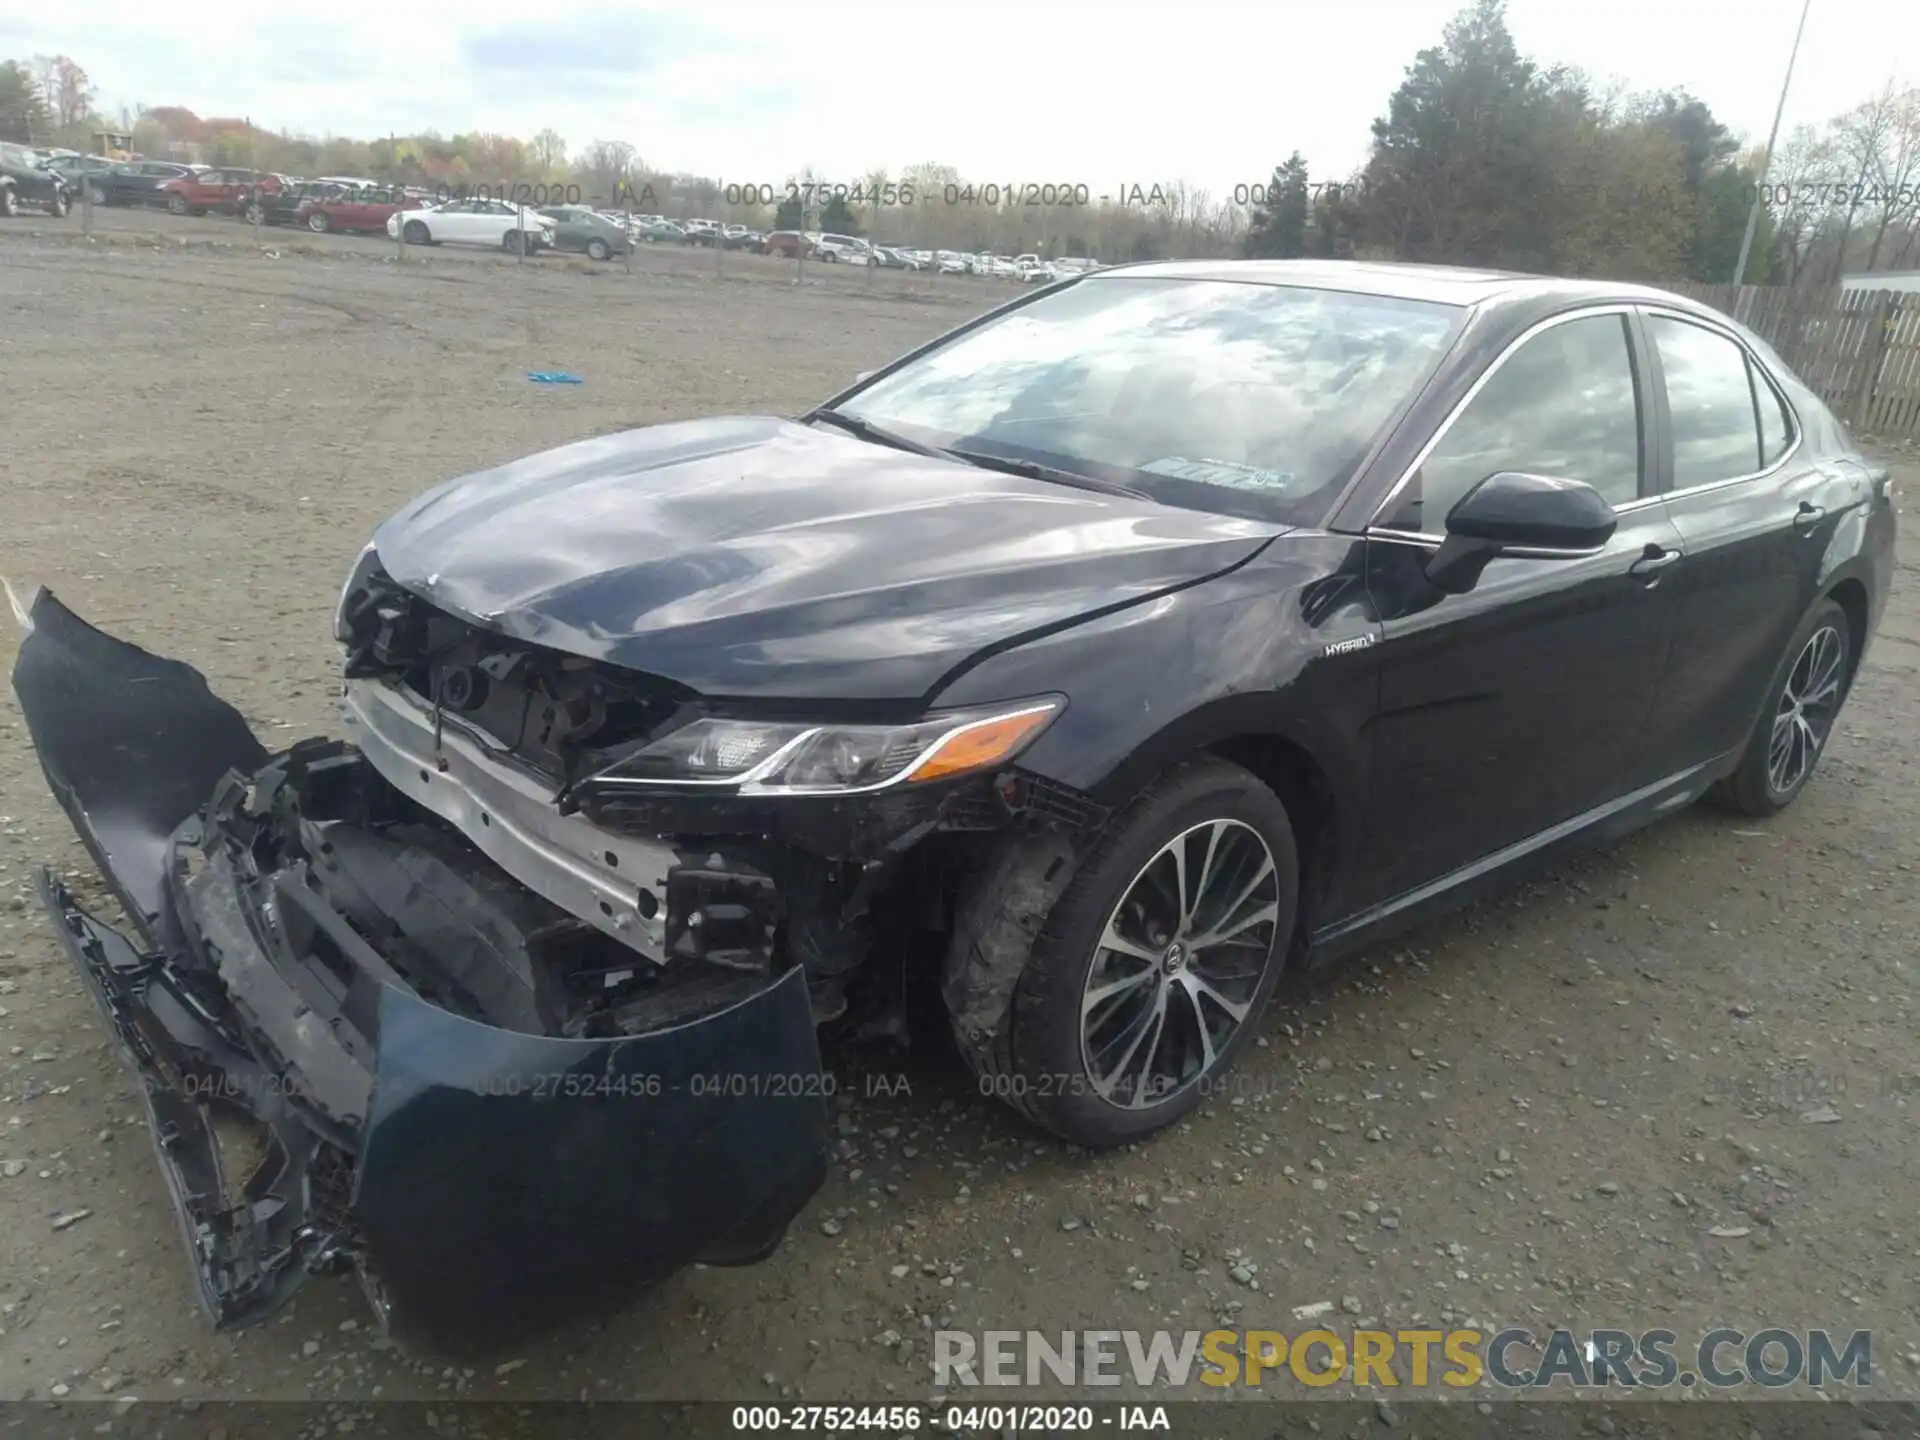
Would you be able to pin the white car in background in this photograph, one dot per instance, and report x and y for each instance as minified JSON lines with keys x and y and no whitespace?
{"x":849,"y":249}
{"x":513,"y":228}
{"x":949,"y":262}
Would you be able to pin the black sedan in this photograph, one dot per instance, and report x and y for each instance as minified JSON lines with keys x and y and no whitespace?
{"x":135,"y":182}
{"x":25,"y":180}
{"x":1157,"y":632}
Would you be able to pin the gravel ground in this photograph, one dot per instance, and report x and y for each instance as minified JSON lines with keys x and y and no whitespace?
{"x":1536,"y":1113}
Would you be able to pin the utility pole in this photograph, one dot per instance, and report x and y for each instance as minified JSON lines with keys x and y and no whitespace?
{"x":1760,"y":186}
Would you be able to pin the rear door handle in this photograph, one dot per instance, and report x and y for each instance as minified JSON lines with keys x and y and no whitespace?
{"x":1653,"y":561}
{"x":1808,"y":516}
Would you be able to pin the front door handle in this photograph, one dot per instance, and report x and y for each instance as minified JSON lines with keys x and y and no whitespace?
{"x":1653,"y":561}
{"x":1808,"y":516}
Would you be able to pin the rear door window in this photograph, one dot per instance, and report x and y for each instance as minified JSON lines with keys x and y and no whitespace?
{"x":1710,"y":402}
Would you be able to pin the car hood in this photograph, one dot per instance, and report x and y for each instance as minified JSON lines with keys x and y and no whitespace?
{"x":756,"y":557}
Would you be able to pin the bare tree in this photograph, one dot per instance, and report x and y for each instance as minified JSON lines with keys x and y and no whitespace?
{"x":72,"y":95}
{"x":1896,"y":168}
{"x":1860,"y":139}
{"x":1805,"y":163}
{"x":604,"y":165}
{"x":548,"y":151}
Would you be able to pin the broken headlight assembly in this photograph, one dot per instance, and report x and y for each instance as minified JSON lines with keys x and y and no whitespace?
{"x":760,"y":757}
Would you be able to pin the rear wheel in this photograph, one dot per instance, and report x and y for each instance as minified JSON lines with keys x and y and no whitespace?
{"x":176,"y":204}
{"x":318,"y":222}
{"x":1151,"y":970}
{"x":60,"y":205}
{"x":598,"y":250}
{"x":96,"y":194}
{"x":9,"y":202}
{"x":1801,"y":709}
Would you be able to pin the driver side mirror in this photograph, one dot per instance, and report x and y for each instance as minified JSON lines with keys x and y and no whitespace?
{"x":1511,"y":511}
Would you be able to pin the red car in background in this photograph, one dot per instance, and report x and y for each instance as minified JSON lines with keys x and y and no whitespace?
{"x":366,"y":210}
{"x":224,"y":190}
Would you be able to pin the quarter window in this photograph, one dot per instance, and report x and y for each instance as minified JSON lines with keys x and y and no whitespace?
{"x":1563,"y":404}
{"x":1710,"y":397}
{"x":1776,"y":429}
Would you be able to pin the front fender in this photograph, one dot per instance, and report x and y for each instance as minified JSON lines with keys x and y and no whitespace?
{"x":1275,"y":655}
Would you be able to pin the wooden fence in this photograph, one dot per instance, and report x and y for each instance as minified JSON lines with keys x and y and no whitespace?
{"x":1858,"y":349}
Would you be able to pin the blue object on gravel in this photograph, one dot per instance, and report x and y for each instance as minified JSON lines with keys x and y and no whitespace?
{"x":553,"y":377}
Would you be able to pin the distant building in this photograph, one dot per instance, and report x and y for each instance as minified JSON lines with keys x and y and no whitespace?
{"x":1882,"y":280}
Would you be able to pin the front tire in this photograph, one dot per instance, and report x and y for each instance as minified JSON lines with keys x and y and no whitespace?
{"x":176,"y":204}
{"x":318,"y":222}
{"x":1152,"y":968}
{"x":9,"y":202}
{"x":415,"y":232}
{"x":599,"y":250}
{"x":60,"y":205}
{"x":1801,"y":708}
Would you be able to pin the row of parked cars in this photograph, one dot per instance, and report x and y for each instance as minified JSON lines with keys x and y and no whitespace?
{"x":852,"y":250}
{"x":349,"y":204}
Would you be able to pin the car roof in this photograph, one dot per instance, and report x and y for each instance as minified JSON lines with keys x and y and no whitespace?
{"x":1443,"y":284}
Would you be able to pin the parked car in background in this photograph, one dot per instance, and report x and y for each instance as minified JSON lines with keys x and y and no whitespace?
{"x":701,"y":232}
{"x":135,"y":182}
{"x":582,"y":230}
{"x":739,"y":237}
{"x":282,"y":207}
{"x":224,"y":191}
{"x":838,"y":248}
{"x":949,"y":262}
{"x":76,"y":168}
{"x":787,"y":243}
{"x":24,"y":180}
{"x":474,"y":222}
{"x":659,"y":230}
{"x":363,"y":210}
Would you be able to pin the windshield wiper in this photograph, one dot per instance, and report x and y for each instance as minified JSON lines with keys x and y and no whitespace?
{"x":878,"y":434}
{"x":1053,"y":474}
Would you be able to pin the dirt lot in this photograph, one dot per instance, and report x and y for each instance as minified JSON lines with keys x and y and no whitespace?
{"x":1534,"y":1113}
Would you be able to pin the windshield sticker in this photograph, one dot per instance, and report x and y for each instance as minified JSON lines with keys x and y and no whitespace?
{"x":1220,"y":472}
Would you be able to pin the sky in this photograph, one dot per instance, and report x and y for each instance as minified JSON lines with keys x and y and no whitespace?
{"x":1052,"y":91}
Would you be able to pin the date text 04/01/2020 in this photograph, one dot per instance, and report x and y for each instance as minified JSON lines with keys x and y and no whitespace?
{"x":955,"y":1419}
{"x":889,"y":195}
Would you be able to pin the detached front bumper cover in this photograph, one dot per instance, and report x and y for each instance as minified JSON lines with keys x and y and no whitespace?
{"x":344,"y":1027}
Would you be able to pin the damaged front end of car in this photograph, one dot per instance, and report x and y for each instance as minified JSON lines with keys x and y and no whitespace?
{"x":508,"y":1002}
{"x":362,"y":1044}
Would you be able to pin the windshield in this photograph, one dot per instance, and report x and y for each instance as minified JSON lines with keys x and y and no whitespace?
{"x":1243,"y":399}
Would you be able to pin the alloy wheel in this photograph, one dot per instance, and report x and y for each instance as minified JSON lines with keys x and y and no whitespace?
{"x":1808,"y":704}
{"x":1179,"y":964}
